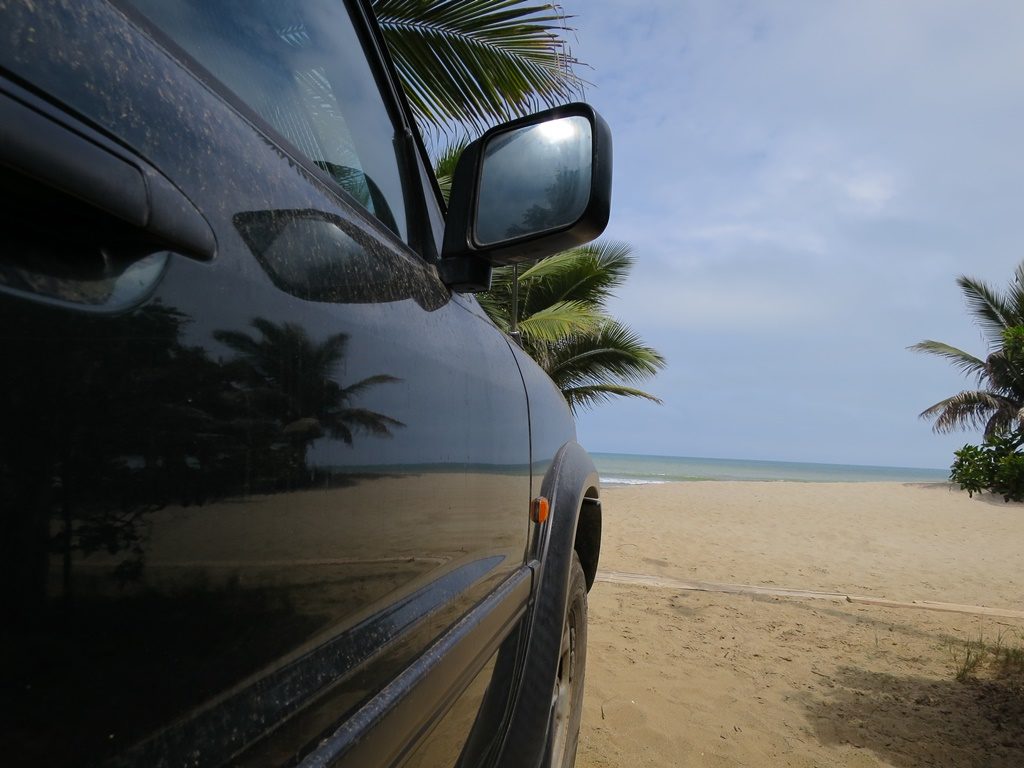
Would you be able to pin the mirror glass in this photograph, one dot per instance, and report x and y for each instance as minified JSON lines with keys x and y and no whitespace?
{"x":534,"y":179}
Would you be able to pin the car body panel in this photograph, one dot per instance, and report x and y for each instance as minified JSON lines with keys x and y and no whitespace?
{"x":245,"y":514}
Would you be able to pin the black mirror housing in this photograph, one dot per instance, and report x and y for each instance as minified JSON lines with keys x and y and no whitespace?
{"x":525,"y":190}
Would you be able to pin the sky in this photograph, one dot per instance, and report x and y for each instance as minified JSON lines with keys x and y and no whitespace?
{"x":801,"y":183}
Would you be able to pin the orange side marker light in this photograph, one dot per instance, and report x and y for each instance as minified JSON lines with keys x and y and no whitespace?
{"x":540,"y":509}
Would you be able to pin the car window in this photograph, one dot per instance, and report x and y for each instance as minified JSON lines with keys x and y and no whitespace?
{"x":301,"y":67}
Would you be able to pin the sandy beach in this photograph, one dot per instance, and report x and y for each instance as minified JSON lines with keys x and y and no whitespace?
{"x":841,"y":656}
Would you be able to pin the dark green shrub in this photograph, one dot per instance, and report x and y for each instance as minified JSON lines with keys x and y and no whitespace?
{"x":972,"y":470}
{"x":995,"y":466}
{"x":1009,"y":479}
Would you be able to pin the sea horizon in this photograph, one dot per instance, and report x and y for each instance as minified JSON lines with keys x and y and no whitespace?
{"x":651,"y":469}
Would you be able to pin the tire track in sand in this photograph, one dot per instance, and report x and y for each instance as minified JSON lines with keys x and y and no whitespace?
{"x":662,"y":582}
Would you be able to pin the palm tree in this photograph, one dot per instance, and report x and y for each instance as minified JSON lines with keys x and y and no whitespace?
{"x":471,"y":62}
{"x":997,"y":405}
{"x":561,"y":318}
{"x":475,"y":62}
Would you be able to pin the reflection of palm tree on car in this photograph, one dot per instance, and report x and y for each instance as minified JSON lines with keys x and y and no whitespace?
{"x":291,"y":379}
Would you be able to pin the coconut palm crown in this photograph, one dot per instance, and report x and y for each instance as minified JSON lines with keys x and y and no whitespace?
{"x":563,"y":324}
{"x":997,"y":405}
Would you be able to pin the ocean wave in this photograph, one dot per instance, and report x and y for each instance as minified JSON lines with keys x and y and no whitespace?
{"x":631,"y":481}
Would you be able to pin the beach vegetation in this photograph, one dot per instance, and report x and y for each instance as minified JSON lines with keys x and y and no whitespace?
{"x":472,"y":64}
{"x":996,"y":466}
{"x":1001,"y":660}
{"x":996,"y":405}
{"x":972,"y":469}
{"x":968,"y":658}
{"x":561,"y":319}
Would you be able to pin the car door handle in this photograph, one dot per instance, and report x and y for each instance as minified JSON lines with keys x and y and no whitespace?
{"x":78,"y":162}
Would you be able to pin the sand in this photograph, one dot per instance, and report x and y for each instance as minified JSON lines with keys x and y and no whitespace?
{"x":678,"y":677}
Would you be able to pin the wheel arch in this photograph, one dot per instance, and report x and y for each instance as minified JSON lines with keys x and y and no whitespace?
{"x":588,"y":534}
{"x":572,"y":486}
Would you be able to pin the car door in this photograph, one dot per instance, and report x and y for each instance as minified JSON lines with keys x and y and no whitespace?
{"x":257,"y":461}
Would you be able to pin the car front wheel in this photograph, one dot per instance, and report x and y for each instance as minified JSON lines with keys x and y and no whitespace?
{"x":567,"y":696}
{"x":545,"y":725}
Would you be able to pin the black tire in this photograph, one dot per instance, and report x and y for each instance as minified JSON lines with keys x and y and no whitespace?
{"x":567,"y":695}
{"x":546,"y":723}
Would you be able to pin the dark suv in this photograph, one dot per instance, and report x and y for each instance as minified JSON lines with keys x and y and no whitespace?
{"x":274,"y":490}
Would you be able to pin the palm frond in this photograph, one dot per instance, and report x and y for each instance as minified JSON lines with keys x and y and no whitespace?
{"x":444,"y":166}
{"x":584,"y":397}
{"x":1015,"y":294}
{"x":612,"y":256}
{"x":586,"y":275}
{"x":559,"y":320}
{"x":973,"y":409}
{"x":473,"y":62}
{"x":614,"y":353}
{"x":1004,"y":374}
{"x":497,"y":304}
{"x":966,"y":363}
{"x":591,"y":368}
{"x":990,"y":309}
{"x":589,"y":273}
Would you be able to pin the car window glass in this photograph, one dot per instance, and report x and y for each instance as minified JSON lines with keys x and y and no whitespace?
{"x":301,"y":67}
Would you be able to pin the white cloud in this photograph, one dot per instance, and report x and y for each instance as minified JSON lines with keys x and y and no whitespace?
{"x":871,"y":191}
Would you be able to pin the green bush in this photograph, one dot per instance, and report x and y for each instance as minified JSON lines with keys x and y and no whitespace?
{"x":996,"y":466}
{"x":972,"y":469}
{"x":1009,"y":480}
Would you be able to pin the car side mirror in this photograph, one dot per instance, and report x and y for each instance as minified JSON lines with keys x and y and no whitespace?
{"x":525,"y":190}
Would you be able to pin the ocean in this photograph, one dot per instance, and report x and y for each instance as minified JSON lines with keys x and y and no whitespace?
{"x":629,"y":469}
